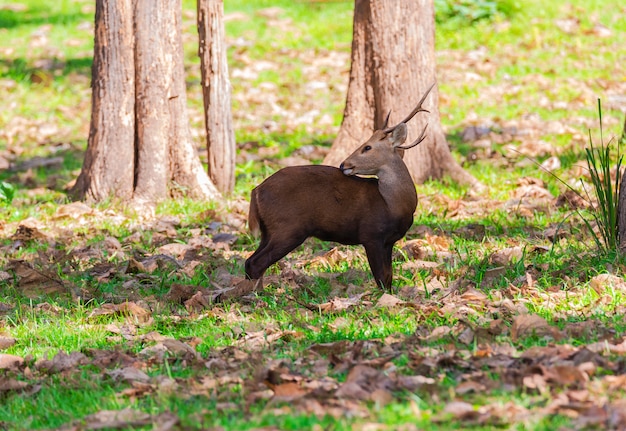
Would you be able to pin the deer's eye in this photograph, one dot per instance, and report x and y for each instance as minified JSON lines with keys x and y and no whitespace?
{"x":366,"y":148}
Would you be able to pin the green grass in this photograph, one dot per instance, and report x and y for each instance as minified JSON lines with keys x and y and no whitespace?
{"x":518,"y":69}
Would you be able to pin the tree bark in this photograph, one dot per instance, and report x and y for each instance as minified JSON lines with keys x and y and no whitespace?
{"x":140,"y":146}
{"x":393,"y":63}
{"x":187,"y":175}
{"x":216,"y":93}
{"x":153,"y":75}
{"x":108,"y":168}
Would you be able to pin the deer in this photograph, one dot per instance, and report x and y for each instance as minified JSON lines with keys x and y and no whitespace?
{"x":344,"y":205}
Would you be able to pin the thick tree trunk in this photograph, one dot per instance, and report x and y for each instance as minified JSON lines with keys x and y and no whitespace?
{"x":393,"y":63}
{"x":140,"y":146}
{"x":108,"y":168}
{"x":216,"y":92}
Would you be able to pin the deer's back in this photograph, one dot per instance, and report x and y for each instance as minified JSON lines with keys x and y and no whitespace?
{"x":321,"y":201}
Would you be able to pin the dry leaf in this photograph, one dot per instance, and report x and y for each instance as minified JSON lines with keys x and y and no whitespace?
{"x":178,"y":348}
{"x":34,"y":282}
{"x":129,"y":309}
{"x":10,"y":362}
{"x":8,"y":384}
{"x":340,"y":304}
{"x":607,"y":282}
{"x":128,"y":374}
{"x":460,"y":410}
{"x":437,"y":334}
{"x":536,"y":381}
{"x":527,"y":325}
{"x":116,"y":419}
{"x":492,"y":275}
{"x":388,"y":300}
{"x":288,"y":390}
{"x":73,"y":210}
{"x":198,"y":302}
{"x":62,"y":362}
{"x":506,"y":255}
{"x":6,"y":342}
{"x":468,"y":387}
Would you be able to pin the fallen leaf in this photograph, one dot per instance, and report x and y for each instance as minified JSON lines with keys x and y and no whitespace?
{"x":6,"y":342}
{"x":506,"y":255}
{"x":9,"y":384}
{"x":36,"y":282}
{"x":567,"y":375}
{"x":460,"y":410}
{"x":73,"y":210}
{"x":288,"y":390}
{"x":175,"y":249}
{"x":198,"y":302}
{"x":607,"y":283}
{"x":129,"y":309}
{"x":340,"y":304}
{"x":388,"y":300}
{"x":62,"y":362}
{"x":179,"y":293}
{"x":128,"y":374}
{"x":29,"y":230}
{"x":492,"y":275}
{"x":437,"y":334}
{"x":414,"y":383}
{"x":527,"y":325}
{"x":10,"y":362}
{"x":362,"y":382}
{"x":116,"y":419}
{"x":468,"y":387}
{"x":178,"y":348}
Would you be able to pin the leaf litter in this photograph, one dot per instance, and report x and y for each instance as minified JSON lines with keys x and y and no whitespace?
{"x":478,"y":351}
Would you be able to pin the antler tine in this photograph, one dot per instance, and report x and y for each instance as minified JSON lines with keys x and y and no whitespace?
{"x":417,"y":109}
{"x":415,"y":142}
{"x":386,"y":120}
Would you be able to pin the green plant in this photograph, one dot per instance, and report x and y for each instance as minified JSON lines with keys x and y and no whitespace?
{"x":472,"y":10}
{"x":7,"y":192}
{"x":606,"y":191}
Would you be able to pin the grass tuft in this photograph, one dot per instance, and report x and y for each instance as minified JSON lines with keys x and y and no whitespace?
{"x":606,"y":192}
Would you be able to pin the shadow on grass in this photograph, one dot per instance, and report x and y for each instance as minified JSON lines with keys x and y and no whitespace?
{"x":53,"y":172}
{"x":20,"y":69}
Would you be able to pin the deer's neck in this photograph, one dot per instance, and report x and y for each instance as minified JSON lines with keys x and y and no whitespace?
{"x":397,"y":189}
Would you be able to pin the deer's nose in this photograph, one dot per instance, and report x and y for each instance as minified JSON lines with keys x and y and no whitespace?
{"x":347,"y":170}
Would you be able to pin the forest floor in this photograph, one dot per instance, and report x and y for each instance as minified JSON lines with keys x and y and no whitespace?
{"x":505,"y":313}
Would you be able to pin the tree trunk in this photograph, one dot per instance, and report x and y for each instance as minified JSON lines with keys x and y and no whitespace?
{"x":393,"y":63}
{"x":216,"y":93}
{"x":153,"y":75}
{"x":187,"y":175}
{"x":140,"y":146}
{"x":108,"y":168}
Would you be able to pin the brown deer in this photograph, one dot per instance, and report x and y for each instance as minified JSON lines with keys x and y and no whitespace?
{"x":337,"y":205}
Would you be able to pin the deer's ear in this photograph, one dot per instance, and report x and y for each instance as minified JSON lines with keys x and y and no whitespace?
{"x":398,"y":135}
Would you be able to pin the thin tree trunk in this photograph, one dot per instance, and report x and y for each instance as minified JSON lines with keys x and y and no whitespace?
{"x":216,"y":94}
{"x":109,"y":160}
{"x":393,"y":63}
{"x":186,"y":172}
